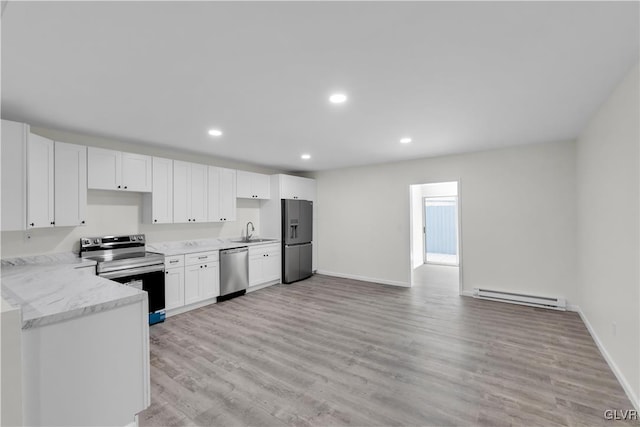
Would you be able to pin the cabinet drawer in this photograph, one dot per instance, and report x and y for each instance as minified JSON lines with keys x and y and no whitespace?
{"x":269,"y":249}
{"x":255,"y":251}
{"x":174,"y":261}
{"x":200,"y":257}
{"x":264,"y":250}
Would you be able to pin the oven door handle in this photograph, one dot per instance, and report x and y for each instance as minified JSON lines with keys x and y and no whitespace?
{"x":132,"y":271}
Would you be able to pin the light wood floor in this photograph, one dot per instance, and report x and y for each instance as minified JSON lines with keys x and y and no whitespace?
{"x":330,"y":351}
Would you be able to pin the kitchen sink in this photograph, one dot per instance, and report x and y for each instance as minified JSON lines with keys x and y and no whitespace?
{"x":254,"y":240}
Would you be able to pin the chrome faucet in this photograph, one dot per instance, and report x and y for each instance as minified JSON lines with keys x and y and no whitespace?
{"x":248,"y":236}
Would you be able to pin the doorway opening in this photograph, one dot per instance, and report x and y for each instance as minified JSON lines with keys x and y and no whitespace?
{"x":436,"y":255}
{"x":440,"y":228}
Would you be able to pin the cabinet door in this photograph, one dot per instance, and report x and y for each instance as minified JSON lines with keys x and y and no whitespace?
{"x":255,"y":269}
{"x":136,"y":172}
{"x":181,"y":191}
{"x":210,"y":281}
{"x":271,"y":267}
{"x":227,"y":194}
{"x":192,"y":284}
{"x":162,"y":191}
{"x":289,"y":187}
{"x":260,"y":185}
{"x":243,"y":185}
{"x":213,"y":203}
{"x":14,"y":175}
{"x":39,"y":182}
{"x":198,"y":192}
{"x":295,"y":187}
{"x":70,"y":171}
{"x":104,"y":169}
{"x":174,"y":288}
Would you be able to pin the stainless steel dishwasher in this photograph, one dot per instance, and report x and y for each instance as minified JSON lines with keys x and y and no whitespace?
{"x":234,"y":272}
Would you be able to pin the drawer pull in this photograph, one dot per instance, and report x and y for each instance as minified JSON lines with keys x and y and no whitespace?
{"x":203,"y":257}
{"x":173,"y":261}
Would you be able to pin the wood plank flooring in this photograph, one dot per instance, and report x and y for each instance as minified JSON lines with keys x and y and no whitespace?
{"x":330,"y":351}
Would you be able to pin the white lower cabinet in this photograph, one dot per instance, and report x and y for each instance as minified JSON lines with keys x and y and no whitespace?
{"x":264,"y":264}
{"x":174,"y":288}
{"x":173,"y":281}
{"x":191,"y":278}
{"x":202,"y":281}
{"x":195,"y":277}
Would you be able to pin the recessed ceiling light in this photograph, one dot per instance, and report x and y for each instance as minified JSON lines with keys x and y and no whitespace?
{"x":215,"y":132}
{"x":305,"y":156}
{"x":338,"y":98}
{"x":405,"y":140}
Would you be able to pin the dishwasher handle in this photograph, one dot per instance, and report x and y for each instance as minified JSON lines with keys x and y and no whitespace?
{"x":234,"y":250}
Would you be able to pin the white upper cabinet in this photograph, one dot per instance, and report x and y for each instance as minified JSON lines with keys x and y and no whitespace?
{"x":56,"y":183}
{"x":199,"y":192}
{"x":161,"y":198}
{"x":115,"y":170}
{"x":189,"y":192}
{"x":222,"y":194}
{"x":40,"y":179}
{"x":14,"y":175}
{"x":251,"y":185}
{"x":104,"y":169}
{"x":136,"y":172}
{"x":295,"y":187}
{"x":70,"y":188}
{"x":181,"y":194}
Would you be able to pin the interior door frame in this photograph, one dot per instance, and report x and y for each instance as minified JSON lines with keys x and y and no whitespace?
{"x":460,"y":245}
{"x":424,"y":229}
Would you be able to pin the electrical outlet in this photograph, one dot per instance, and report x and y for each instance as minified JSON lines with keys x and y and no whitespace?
{"x":614,"y":329}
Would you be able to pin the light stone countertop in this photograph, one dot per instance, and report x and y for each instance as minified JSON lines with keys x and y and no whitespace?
{"x":201,"y":245}
{"x":51,"y":288}
{"x":60,"y":259}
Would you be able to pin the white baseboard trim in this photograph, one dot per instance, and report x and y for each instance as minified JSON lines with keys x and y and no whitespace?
{"x":574,"y":308}
{"x":364,"y":278}
{"x":616,"y":371}
{"x":262,"y":286}
{"x":184,"y":309}
{"x":467,"y":293}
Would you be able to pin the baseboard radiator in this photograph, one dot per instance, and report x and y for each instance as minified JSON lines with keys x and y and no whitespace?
{"x":523,"y":299}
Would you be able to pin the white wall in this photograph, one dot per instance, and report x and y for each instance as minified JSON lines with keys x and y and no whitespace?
{"x":417,"y":240}
{"x":111,"y":212}
{"x":517,"y":209}
{"x":608,"y":230}
{"x":418,"y":192}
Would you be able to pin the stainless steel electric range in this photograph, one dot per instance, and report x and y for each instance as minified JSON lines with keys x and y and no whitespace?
{"x":124,"y":259}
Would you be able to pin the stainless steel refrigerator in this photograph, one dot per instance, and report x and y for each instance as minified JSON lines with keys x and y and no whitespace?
{"x":297,"y":232}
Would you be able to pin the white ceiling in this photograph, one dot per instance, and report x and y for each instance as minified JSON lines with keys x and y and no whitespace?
{"x":453,"y":76}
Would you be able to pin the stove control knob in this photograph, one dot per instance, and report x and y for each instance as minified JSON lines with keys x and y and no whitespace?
{"x":96,"y":241}
{"x":86,"y":241}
